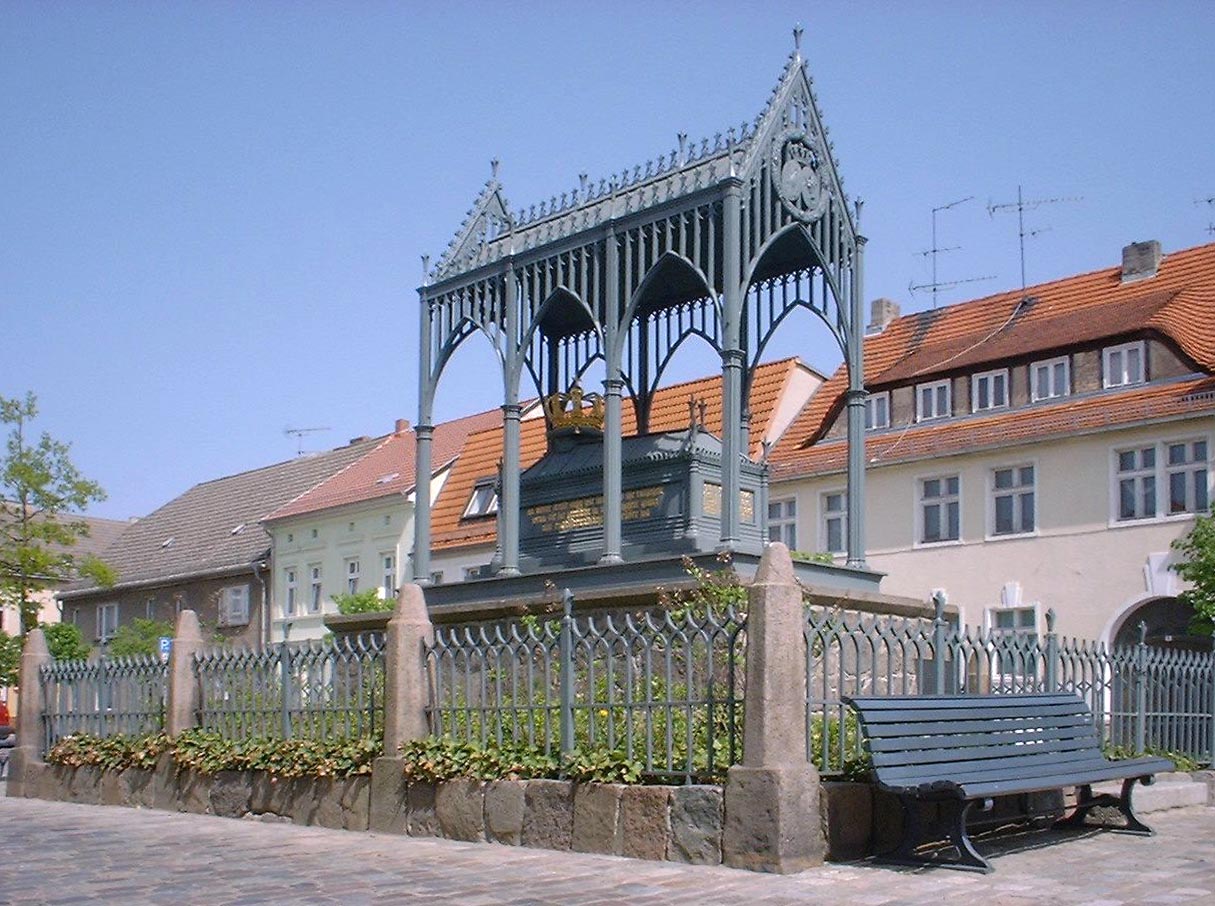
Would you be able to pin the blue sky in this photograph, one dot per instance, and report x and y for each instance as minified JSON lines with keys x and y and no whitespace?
{"x":211,"y":214}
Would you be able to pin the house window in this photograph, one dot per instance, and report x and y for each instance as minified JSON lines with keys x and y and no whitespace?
{"x":352,"y":575}
{"x":1185,"y":469}
{"x":436,"y":577}
{"x":1050,"y":379}
{"x":234,"y":606}
{"x":989,"y":390}
{"x":1137,"y":483}
{"x":782,"y":521}
{"x":877,"y":411}
{"x":834,"y":528}
{"x":1123,"y":364}
{"x":932,"y":400}
{"x":149,"y":609}
{"x":389,"y":563}
{"x":314,"y":590}
{"x":484,"y":500}
{"x":1014,"y":634}
{"x":1012,"y":500}
{"x":472,"y":572}
{"x":107,"y":621}
{"x":940,"y":515}
{"x":289,"y":585}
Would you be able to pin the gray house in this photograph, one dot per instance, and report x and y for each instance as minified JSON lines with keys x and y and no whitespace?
{"x":205,"y":551}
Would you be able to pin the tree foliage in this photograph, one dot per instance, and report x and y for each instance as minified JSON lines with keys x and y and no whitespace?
{"x":40,"y":487}
{"x":1198,"y":567}
{"x":368,"y":601}
{"x":140,"y":636}
{"x":10,"y":658}
{"x":65,"y":641}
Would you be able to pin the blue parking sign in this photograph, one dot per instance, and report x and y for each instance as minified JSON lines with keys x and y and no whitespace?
{"x":166,"y":644}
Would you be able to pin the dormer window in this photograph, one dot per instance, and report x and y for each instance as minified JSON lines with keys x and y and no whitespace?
{"x":989,"y":390}
{"x":877,"y":411}
{"x":932,"y":400}
{"x":484,"y":500}
{"x":1123,"y":364}
{"x":1050,"y":379}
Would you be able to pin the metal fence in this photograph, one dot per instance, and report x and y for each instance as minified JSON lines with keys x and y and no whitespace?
{"x":662,"y":688}
{"x":312,"y":689}
{"x":105,"y":697}
{"x":1141,"y":697}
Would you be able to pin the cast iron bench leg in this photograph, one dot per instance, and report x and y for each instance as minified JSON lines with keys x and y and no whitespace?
{"x":913,"y":836}
{"x":1086,"y":802}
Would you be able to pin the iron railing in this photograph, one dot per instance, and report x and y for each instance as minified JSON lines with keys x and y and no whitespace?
{"x":660,"y":688}
{"x":316,"y":690}
{"x":105,"y":697}
{"x":1141,"y":697}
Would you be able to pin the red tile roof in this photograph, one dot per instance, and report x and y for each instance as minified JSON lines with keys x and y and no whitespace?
{"x":1177,"y":304}
{"x":389,"y":468}
{"x":1068,"y":416}
{"x":669,"y":412}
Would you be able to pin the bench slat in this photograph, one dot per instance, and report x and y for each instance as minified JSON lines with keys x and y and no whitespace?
{"x":934,"y":728}
{"x":989,"y":702}
{"x":917,"y":742}
{"x":887,"y":760}
{"x":911,"y":715}
{"x":1109,"y":770}
{"x":1009,"y":767}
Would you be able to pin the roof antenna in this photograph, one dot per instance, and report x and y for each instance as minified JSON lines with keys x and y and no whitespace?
{"x":937,"y":285}
{"x":1021,"y":206}
{"x":1210,"y":203}
{"x":298,"y":434}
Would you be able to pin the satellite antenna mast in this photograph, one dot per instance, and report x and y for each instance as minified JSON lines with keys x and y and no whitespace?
{"x":1021,"y":206}
{"x":936,"y":285}
{"x":298,"y":434}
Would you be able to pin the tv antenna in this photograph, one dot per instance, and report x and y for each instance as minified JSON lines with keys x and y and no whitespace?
{"x":936,"y":285}
{"x":1210,"y":203}
{"x":298,"y":434}
{"x":1021,"y":206}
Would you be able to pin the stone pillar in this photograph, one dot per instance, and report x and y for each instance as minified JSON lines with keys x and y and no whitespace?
{"x":405,"y":684}
{"x":34,"y":656}
{"x":181,"y":712}
{"x":772,"y":798}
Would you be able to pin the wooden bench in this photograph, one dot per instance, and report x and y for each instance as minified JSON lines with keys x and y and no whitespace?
{"x":963,"y":750}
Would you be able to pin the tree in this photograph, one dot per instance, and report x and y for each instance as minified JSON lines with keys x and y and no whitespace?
{"x":1198,"y":568}
{"x":10,"y":658}
{"x":140,"y":636}
{"x":366,"y":601}
{"x":65,"y":641}
{"x":39,"y":487}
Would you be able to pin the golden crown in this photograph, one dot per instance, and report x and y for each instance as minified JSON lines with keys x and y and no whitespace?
{"x":571,"y":410}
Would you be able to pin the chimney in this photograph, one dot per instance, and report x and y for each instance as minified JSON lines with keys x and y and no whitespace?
{"x":1140,"y":260}
{"x":401,"y":426}
{"x":882,"y":312}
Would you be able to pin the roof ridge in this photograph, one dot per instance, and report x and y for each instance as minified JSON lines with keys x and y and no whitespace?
{"x":283,"y":462}
{"x":332,"y":475}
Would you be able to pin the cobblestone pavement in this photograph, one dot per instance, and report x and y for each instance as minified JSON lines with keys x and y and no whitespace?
{"x":63,"y":853}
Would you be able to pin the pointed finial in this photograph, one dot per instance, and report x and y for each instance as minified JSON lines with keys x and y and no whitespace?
{"x":797,"y":39}
{"x":683,"y":147}
{"x":425,"y":269}
{"x":860,"y":203}
{"x":493,"y":168}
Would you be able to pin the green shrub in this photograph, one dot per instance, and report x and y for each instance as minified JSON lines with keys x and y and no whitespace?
{"x":65,"y":641}
{"x":368,"y":601}
{"x":1184,"y":763}
{"x":433,"y":759}
{"x":139,"y":637}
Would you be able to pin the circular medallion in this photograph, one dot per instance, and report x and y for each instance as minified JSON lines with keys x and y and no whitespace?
{"x":796,"y":170}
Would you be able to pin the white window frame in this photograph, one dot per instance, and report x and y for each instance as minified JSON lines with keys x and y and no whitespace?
{"x":942,"y":500}
{"x":471,"y":573}
{"x":994,"y":379}
{"x":1016,"y":491}
{"x":483,"y":501}
{"x":785,"y":524}
{"x":1050,"y":366}
{"x":436,"y":577}
{"x":107,"y":618}
{"x":1160,"y":475}
{"x":1012,"y":675}
{"x":352,"y":571}
{"x":939,"y":409}
{"x":234,"y":605}
{"x":827,"y":516}
{"x":315,"y":588}
{"x":875,"y":404}
{"x":388,"y":579}
{"x":290,"y":590}
{"x":1124,"y":377}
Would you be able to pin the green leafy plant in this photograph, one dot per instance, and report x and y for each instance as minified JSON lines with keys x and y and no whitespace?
{"x":435,"y":759}
{"x":1198,"y":567}
{"x":367,"y":601}
{"x":1184,"y":763}
{"x":65,"y":641}
{"x":140,"y":636}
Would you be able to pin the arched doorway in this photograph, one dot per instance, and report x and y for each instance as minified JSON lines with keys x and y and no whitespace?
{"x":1168,"y":626}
